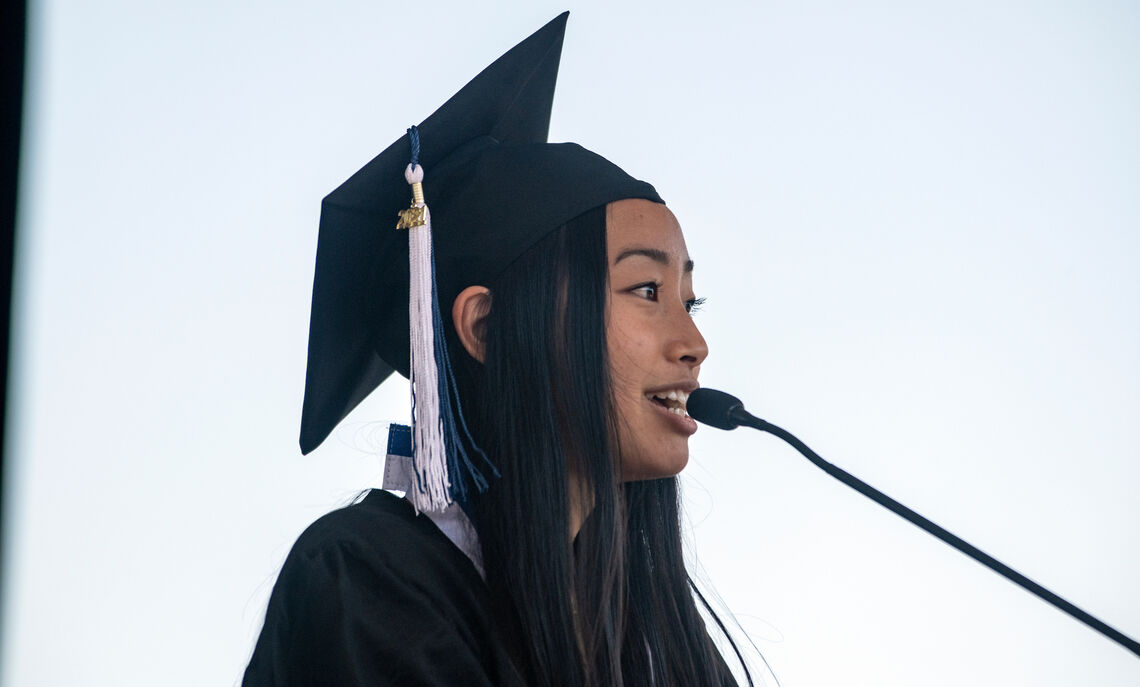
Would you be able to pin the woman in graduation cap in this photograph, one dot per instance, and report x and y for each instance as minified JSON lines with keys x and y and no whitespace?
{"x":542,"y":309}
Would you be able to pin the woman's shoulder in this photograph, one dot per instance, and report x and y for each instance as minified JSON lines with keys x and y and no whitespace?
{"x":380,"y":526}
{"x":381,"y":543}
{"x":377,"y":590}
{"x":378,"y":548}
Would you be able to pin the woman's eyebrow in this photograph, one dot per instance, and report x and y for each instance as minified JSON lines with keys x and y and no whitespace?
{"x":654,"y":254}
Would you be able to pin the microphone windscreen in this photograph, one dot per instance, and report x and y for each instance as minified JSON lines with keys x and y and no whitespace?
{"x":713,"y":408}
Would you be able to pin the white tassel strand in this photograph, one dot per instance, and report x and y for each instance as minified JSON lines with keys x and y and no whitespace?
{"x":431,"y":488}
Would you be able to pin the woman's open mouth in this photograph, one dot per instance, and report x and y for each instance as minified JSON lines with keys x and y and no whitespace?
{"x":672,"y":400}
{"x":672,"y":405}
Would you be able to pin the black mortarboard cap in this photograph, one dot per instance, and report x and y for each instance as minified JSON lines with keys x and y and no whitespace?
{"x":495,"y":187}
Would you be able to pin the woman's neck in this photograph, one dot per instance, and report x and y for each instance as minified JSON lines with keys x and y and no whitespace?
{"x":580,"y":506}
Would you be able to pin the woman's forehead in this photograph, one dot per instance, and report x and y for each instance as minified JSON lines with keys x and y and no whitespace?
{"x":641,"y":227}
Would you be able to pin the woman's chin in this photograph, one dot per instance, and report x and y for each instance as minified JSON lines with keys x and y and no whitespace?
{"x":660,"y":466}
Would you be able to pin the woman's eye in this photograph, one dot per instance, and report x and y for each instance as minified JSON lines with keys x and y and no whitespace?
{"x":646,"y":291}
{"x":693,"y":305}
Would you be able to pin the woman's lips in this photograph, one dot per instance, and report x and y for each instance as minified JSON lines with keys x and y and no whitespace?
{"x":679,"y":421}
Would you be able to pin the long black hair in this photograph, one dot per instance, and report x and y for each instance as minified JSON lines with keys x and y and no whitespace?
{"x":615,"y":606}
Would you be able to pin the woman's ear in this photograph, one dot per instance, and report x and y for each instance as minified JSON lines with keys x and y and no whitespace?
{"x":469,"y":314}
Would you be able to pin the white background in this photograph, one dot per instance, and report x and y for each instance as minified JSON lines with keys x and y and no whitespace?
{"x":916,"y":224}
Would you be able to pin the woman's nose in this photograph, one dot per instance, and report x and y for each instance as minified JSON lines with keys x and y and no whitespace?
{"x":688,"y":346}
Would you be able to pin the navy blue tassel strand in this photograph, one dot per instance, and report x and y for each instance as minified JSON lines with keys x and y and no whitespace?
{"x":460,"y":465}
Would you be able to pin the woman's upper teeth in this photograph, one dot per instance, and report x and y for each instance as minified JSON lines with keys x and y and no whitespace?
{"x":680,"y":398}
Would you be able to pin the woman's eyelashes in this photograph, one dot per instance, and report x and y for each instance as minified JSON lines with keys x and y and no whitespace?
{"x":650,"y":291}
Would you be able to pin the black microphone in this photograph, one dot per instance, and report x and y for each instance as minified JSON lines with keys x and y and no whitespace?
{"x":724,"y":411}
{"x":717,"y":409}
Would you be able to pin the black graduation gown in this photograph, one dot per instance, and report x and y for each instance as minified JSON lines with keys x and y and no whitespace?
{"x":373,"y":595}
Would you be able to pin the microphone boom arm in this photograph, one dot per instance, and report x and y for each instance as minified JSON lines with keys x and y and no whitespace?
{"x":742,"y":417}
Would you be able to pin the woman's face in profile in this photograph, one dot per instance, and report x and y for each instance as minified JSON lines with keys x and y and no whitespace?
{"x":655,"y":348}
